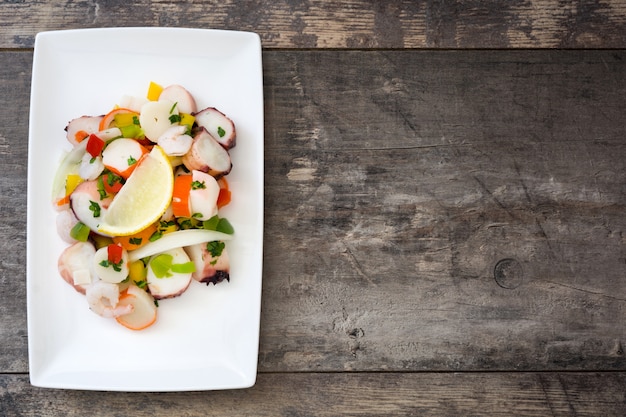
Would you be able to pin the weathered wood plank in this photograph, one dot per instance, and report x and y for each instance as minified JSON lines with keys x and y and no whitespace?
{"x":356,"y":394}
{"x":395,"y":182}
{"x":353,"y":24}
{"x":15,"y":75}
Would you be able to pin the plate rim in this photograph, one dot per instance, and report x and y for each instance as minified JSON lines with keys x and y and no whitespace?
{"x":39,"y":380}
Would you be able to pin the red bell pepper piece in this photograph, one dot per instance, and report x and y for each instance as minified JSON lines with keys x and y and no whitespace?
{"x":95,"y":145}
{"x":115,"y":252}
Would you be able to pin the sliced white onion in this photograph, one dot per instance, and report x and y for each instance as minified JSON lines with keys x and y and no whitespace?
{"x":177,"y":239}
{"x":69,"y":165}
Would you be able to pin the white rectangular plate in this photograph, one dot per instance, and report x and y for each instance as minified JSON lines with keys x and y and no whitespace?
{"x":208,"y":337}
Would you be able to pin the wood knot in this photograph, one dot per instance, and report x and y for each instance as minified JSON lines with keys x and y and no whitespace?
{"x":508,"y":273}
{"x":356,"y":333}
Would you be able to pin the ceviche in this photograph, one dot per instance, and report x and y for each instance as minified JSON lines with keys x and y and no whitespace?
{"x":138,"y":200}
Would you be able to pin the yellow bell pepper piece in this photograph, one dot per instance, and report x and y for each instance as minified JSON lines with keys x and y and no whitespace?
{"x":137,"y":271}
{"x":125,"y":119}
{"x":71,"y":182}
{"x":187,"y":119}
{"x":154,"y":91}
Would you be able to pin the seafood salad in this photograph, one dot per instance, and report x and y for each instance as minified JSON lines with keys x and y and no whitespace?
{"x":138,"y":200}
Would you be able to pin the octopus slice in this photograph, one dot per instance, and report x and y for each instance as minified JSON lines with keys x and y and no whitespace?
{"x":87,"y":205}
{"x":175,"y":283}
{"x":77,"y":129}
{"x":218,"y":125}
{"x":179,"y":95}
{"x":207,"y":155}
{"x":209,"y":268}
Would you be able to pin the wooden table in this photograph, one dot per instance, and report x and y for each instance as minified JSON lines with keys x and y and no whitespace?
{"x":445,"y":229}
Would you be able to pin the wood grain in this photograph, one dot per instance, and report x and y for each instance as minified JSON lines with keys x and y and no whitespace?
{"x":353,"y":24}
{"x":355,"y":394}
{"x":397,"y":181}
{"x":15,"y":73}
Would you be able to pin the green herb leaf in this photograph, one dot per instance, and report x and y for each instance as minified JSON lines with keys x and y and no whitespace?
{"x":221,"y":131}
{"x":198,"y":185}
{"x":185,"y":223}
{"x":215,"y":248}
{"x":224,"y":226}
{"x":175,"y":118}
{"x":173,"y":107}
{"x":131,"y":161}
{"x":135,"y":240}
{"x":166,"y":225}
{"x":100,"y":188}
{"x":112,"y":179}
{"x":95,"y":208}
{"x":211,"y":224}
{"x":116,"y":267}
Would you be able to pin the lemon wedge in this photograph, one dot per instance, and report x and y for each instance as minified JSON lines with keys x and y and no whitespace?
{"x":144,"y":197}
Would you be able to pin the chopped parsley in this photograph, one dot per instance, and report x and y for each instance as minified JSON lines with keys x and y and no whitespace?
{"x":221,"y":131}
{"x":219,"y":224}
{"x":215,"y":248}
{"x":95,"y":208}
{"x":117,"y":267}
{"x":112,"y":179}
{"x":135,"y":240}
{"x":165,"y":226}
{"x":131,"y":161}
{"x":185,"y":223}
{"x":100,"y":187}
{"x":136,"y":120}
{"x":198,"y":185}
{"x":175,"y":118}
{"x":155,"y":236}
